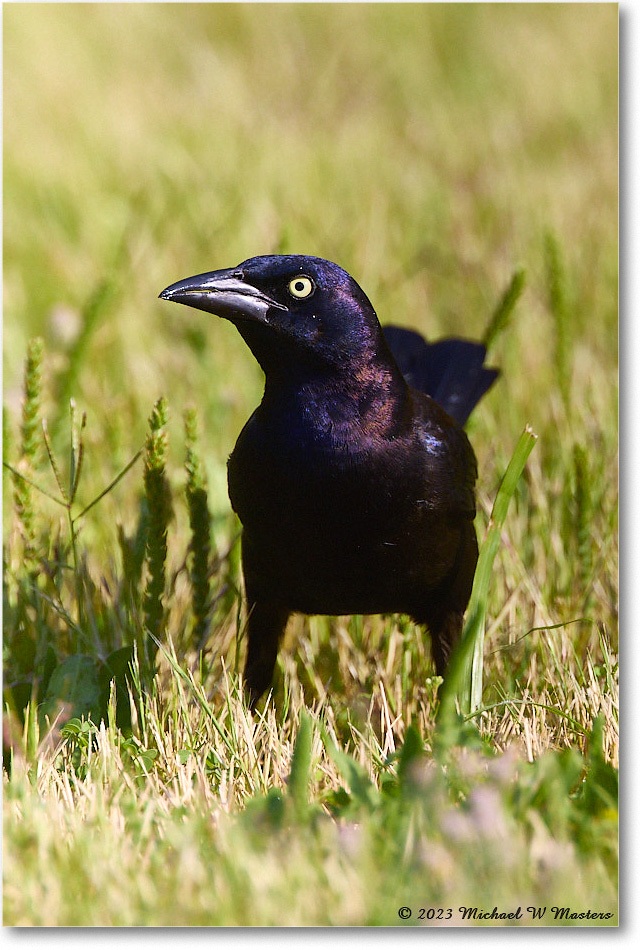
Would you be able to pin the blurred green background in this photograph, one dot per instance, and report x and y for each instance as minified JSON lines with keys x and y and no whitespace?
{"x":427,"y":148}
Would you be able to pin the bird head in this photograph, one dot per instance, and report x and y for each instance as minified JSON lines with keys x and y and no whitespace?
{"x":290,"y":309}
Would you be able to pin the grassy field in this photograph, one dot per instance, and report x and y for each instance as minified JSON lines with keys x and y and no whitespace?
{"x":435,"y":152}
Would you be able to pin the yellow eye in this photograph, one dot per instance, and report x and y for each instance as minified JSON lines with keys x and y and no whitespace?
{"x":301,"y":287}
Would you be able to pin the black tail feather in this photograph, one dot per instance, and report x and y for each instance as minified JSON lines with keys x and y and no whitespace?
{"x":451,"y":371}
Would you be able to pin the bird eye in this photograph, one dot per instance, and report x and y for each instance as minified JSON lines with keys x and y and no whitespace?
{"x":301,"y":287}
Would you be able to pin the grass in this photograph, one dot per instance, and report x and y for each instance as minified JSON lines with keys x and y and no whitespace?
{"x":460,"y":161}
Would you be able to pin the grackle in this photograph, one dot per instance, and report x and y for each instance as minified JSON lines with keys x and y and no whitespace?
{"x":353,"y":480}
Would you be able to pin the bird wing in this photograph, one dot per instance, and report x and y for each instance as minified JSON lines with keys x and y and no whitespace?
{"x":451,"y":465}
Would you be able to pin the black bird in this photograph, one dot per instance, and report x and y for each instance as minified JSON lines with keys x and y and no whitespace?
{"x":354,"y":486}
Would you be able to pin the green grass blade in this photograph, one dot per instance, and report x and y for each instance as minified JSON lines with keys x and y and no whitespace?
{"x":299,"y":777}
{"x":111,"y":485}
{"x":363,"y":790}
{"x":197,"y":693}
{"x":464,"y":680}
{"x":29,"y":481}
{"x":54,"y":464}
{"x":505,"y":307}
{"x":558,"y":300}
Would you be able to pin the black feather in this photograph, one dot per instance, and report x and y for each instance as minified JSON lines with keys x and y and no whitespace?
{"x":451,"y":371}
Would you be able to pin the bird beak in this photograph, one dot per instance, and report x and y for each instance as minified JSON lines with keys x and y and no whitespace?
{"x":223,"y":293}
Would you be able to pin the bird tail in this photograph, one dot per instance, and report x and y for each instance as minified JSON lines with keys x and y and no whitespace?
{"x":451,"y":371}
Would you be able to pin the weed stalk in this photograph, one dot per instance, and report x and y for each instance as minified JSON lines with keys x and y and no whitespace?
{"x":158,"y":497}
{"x":199,"y":519}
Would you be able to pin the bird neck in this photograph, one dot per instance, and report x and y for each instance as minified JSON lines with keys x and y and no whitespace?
{"x":355,"y":406}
